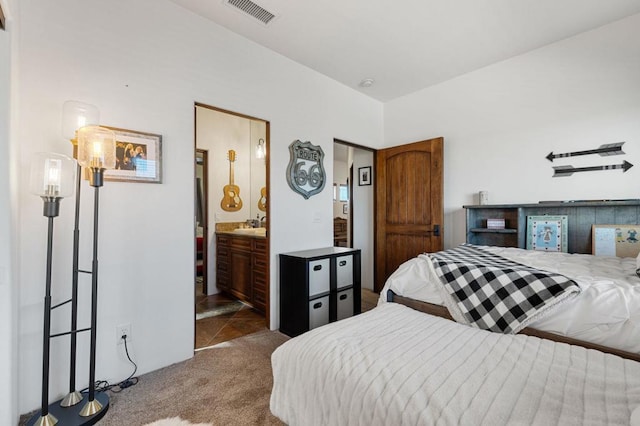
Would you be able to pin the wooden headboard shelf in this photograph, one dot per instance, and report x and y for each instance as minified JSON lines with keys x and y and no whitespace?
{"x":581,"y":216}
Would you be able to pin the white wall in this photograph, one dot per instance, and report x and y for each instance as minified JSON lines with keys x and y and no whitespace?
{"x":363,"y":214}
{"x":500,"y":122}
{"x":144,"y":64}
{"x":8,"y":280}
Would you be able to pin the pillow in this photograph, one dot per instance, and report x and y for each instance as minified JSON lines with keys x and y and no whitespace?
{"x":638,"y":265}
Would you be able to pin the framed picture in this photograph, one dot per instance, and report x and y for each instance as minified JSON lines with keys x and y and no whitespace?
{"x":615,"y":240}
{"x":547,"y":233}
{"x":345,"y":208}
{"x":138,"y":157}
{"x":364,"y":176}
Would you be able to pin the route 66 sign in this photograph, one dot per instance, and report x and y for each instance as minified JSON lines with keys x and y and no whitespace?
{"x":305,"y":173}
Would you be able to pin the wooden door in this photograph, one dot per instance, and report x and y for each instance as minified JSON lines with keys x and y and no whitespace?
{"x":409,"y":204}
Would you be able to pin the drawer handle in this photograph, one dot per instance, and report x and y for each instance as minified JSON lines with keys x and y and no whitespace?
{"x":343,"y":262}
{"x":317,"y":267}
{"x":343,"y":297}
{"x":317,"y":305}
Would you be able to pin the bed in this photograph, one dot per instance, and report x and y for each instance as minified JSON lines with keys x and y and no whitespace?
{"x":605,"y":314}
{"x":395,"y":365}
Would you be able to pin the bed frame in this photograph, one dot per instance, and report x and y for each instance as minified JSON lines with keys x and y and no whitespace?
{"x":443,"y":312}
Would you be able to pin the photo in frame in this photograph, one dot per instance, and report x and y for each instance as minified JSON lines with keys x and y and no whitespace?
{"x":364,"y":176}
{"x":547,"y":233}
{"x":138,"y":157}
{"x":345,"y":209}
{"x":615,"y":240}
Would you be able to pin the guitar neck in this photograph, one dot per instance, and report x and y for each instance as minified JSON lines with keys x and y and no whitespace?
{"x":230,"y":172}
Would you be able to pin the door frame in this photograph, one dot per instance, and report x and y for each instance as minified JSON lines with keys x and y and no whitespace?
{"x":267,"y":160}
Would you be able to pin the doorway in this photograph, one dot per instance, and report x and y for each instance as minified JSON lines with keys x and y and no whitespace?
{"x":353,"y":212}
{"x":236,"y":222}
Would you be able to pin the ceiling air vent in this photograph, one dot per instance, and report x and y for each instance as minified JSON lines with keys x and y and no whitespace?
{"x":252,"y":9}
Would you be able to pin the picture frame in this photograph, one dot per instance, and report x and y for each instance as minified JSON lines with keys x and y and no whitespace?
{"x":615,"y":240}
{"x":364,"y":176}
{"x":138,"y":157}
{"x":547,"y":233}
{"x":345,"y":208}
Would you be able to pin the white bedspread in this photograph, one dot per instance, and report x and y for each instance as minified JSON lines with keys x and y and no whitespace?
{"x":607,"y":311}
{"x":396,"y":366}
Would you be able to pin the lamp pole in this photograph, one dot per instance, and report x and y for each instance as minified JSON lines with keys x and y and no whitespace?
{"x":51,"y":210}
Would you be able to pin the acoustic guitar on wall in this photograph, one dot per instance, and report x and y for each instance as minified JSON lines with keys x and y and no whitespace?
{"x":231,"y":201}
{"x":262,"y":202}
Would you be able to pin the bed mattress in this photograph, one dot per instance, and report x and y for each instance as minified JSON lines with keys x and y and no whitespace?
{"x":606,"y":312}
{"x":397,"y":366}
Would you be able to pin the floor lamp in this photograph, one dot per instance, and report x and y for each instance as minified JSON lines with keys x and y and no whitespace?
{"x":96,"y":152}
{"x":52,"y":178}
{"x":75,"y":115}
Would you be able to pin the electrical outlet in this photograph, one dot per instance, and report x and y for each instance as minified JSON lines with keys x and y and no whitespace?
{"x":123,"y":330}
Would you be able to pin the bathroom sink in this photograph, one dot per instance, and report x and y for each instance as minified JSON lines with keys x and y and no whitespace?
{"x":261,"y":232}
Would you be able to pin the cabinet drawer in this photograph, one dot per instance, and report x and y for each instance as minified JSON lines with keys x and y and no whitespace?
{"x":241,"y":243}
{"x":344,"y":271}
{"x":345,"y":304}
{"x":222,"y":265}
{"x":222,"y":240}
{"x":260,"y":282}
{"x":259,"y":262}
{"x":259,"y":245}
{"x":319,"y":276}
{"x":222,"y":251}
{"x":318,"y":312}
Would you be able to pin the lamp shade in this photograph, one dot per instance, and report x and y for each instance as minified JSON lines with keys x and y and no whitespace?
{"x":260,"y":149}
{"x":52,"y":175}
{"x":76,"y":115}
{"x":96,"y":147}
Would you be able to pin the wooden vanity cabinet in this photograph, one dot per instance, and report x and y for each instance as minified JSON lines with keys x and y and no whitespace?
{"x":242,"y":268}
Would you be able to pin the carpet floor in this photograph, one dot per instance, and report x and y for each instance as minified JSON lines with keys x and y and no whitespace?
{"x":228,"y":384}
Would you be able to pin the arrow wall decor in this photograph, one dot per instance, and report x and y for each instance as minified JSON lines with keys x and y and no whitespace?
{"x":603,"y":150}
{"x":564,"y":171}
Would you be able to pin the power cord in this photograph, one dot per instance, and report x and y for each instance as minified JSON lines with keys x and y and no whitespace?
{"x":103,"y":385}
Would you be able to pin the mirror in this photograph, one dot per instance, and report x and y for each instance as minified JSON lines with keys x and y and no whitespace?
{"x":237,"y":176}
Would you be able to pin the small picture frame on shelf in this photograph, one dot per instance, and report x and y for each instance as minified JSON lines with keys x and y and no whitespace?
{"x":615,"y":240}
{"x":547,"y":233}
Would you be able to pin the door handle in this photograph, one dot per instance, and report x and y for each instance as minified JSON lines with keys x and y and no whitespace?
{"x":435,"y":232}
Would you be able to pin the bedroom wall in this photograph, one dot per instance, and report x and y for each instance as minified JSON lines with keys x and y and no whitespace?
{"x":363,"y":198}
{"x":144,"y":64}
{"x":8,"y":281}
{"x":500,"y":122}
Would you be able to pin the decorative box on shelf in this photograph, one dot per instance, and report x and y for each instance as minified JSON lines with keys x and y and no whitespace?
{"x":495,"y":223}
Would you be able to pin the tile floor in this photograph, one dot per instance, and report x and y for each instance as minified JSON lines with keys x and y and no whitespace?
{"x":226,"y":318}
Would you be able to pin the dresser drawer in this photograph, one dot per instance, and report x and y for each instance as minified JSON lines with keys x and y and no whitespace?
{"x":319,"y":276}
{"x":344,"y":271}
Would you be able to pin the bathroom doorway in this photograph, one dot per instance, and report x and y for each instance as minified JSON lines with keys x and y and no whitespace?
{"x":236,"y":258}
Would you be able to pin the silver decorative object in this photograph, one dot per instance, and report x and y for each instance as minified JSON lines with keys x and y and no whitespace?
{"x":305,"y":173}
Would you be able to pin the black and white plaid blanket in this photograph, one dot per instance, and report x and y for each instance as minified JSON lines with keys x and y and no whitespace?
{"x":497,"y":294}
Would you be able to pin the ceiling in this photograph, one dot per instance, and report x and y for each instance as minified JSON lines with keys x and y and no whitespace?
{"x":408,"y":45}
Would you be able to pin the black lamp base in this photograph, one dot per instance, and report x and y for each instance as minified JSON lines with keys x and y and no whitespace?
{"x":70,"y":416}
